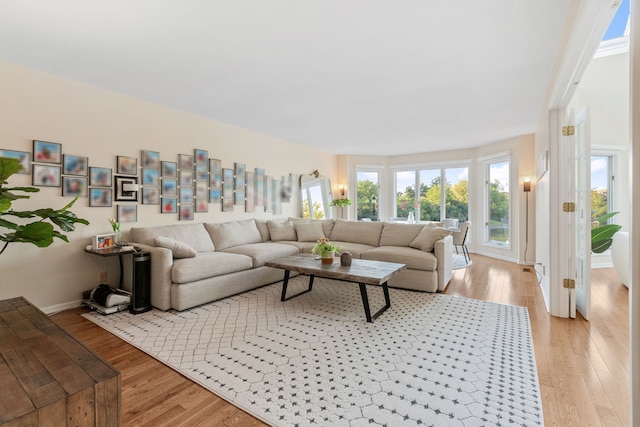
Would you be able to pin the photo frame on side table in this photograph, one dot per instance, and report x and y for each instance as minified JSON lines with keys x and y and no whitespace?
{"x":125,"y":188}
{"x":104,"y":241}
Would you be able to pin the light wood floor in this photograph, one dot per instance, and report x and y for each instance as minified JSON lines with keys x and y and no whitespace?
{"x":582,"y":366}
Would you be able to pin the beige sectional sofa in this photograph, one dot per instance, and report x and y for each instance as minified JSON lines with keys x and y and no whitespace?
{"x":195,"y":263}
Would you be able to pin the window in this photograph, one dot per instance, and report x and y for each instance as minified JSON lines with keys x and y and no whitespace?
{"x":435,"y":202}
{"x":367,"y":193}
{"x":601,"y":185}
{"x":498,"y":201}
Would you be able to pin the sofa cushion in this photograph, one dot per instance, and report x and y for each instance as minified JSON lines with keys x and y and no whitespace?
{"x":413,"y":258}
{"x":179,"y":249}
{"x":281,"y":230}
{"x":263,"y":252}
{"x":263,"y":229}
{"x":355,"y":248}
{"x":233,"y":233}
{"x":428,"y":236}
{"x":399,"y":234}
{"x":366,"y":233}
{"x":309,"y":232}
{"x":194,"y":235}
{"x":207,"y":265}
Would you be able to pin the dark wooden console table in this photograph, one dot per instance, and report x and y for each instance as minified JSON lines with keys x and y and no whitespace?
{"x":48,"y":378}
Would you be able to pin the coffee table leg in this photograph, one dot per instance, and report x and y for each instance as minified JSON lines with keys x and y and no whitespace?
{"x":285,"y":282}
{"x":365,"y":302}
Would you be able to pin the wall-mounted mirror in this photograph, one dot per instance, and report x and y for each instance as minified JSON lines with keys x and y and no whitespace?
{"x":315,"y":197}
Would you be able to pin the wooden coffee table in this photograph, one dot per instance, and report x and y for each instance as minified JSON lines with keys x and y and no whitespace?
{"x":361,"y":271}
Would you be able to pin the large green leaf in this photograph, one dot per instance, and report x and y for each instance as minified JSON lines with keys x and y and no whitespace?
{"x":600,"y":246}
{"x":605,"y":217}
{"x":38,"y":233}
{"x":604,"y":232}
{"x":8,"y":167}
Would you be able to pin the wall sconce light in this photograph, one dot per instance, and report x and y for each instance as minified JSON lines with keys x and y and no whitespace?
{"x":527,"y":185}
{"x":342,"y":190}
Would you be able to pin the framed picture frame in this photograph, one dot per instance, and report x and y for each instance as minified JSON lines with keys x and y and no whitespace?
{"x":215,"y":180}
{"x":186,"y":212}
{"x":150,"y":196}
{"x":239,"y":188}
{"x":169,"y":205}
{"x":47,"y":152}
{"x":186,"y":195}
{"x":227,"y":190}
{"x":100,"y":177}
{"x":150,"y":176}
{"x":202,"y":206}
{"x":100,"y":197}
{"x":125,"y":188}
{"x":23,"y":157}
{"x":169,"y":169}
{"x":74,"y":186}
{"x":259,"y":187}
{"x":150,"y":159}
{"x":169,"y":187}
{"x":104,"y":241}
{"x":185,"y":162}
{"x":249,"y":203}
{"x":202,"y":191}
{"x":200,"y":157}
{"x":75,"y":165}
{"x":186,"y":178}
{"x":202,"y":173}
{"x":45,"y":176}
{"x":127,"y":165}
{"x":127,"y":213}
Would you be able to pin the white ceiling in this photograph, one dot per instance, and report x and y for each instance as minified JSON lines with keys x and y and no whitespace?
{"x":350,"y":76}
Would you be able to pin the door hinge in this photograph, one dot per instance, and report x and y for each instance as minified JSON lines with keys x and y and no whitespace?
{"x":568,"y":207}
{"x":568,"y":283}
{"x":568,"y":130}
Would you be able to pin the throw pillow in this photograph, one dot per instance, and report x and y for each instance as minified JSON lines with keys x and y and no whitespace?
{"x":279,"y":230}
{"x":179,"y":249}
{"x":309,"y":232}
{"x":428,"y":236}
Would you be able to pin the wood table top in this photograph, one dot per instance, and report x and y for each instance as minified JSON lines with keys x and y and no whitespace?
{"x":360,"y":270}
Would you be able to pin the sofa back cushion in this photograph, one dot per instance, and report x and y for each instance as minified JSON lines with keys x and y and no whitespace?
{"x":281,"y":230}
{"x":194,"y":235}
{"x":233,"y":233}
{"x":178,"y":249}
{"x":399,"y":234}
{"x":309,"y":231}
{"x":428,"y":236}
{"x":262,"y":227}
{"x":366,"y":233}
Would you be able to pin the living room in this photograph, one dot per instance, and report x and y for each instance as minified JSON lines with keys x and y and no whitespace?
{"x":102,"y":124}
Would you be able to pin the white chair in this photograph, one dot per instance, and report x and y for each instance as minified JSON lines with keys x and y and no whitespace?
{"x":451,"y":223}
{"x":460,"y":238}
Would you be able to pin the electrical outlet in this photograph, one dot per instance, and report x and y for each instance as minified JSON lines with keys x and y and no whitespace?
{"x":103,"y":277}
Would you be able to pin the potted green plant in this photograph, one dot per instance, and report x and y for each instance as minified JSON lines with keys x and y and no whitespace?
{"x":602,"y":235}
{"x":39,"y":232}
{"x":325,"y":249}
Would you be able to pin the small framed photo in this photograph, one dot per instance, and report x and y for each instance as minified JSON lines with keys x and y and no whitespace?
{"x":75,"y":165}
{"x":104,"y":241}
{"x":127,"y":213}
{"x":169,"y":169}
{"x":22,"y":156}
{"x":186,"y":195}
{"x":150,"y":159}
{"x":186,"y":178}
{"x":127,"y":165}
{"x":202,"y":191}
{"x":201,"y":157}
{"x":202,"y":173}
{"x":100,"y":197}
{"x":150,"y":176}
{"x":186,"y":212}
{"x":125,"y":188}
{"x":47,"y":152}
{"x":185,"y":161}
{"x":99,"y":177}
{"x":202,"y":206}
{"x":46,"y":176}
{"x":169,"y":205}
{"x":169,"y":187}
{"x":150,"y":196}
{"x":74,"y":186}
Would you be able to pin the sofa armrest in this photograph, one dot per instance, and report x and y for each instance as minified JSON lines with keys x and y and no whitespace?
{"x":443,"y":251}
{"x":161,"y":265}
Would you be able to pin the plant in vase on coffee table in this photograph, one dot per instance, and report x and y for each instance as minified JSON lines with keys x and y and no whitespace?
{"x":325,"y":249}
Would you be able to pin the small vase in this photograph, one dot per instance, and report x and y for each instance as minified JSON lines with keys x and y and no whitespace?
{"x":411,"y":218}
{"x":327,"y":257}
{"x":345,"y":258}
{"x":118,"y":238}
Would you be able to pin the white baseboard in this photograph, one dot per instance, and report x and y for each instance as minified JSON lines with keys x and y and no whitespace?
{"x":53,"y":309}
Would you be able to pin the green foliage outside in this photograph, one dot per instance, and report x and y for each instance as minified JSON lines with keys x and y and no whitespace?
{"x":366,"y":191}
{"x":499,"y":212}
{"x":599,"y":204}
{"x":39,"y":232}
{"x":318,"y":212}
{"x":428,"y":206}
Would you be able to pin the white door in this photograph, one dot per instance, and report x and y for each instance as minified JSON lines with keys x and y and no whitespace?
{"x":583,"y":213}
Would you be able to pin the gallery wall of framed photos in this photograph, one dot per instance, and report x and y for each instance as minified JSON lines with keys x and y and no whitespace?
{"x":184,"y":186}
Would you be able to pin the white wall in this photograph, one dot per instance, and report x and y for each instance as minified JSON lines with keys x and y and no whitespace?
{"x":92,"y":122}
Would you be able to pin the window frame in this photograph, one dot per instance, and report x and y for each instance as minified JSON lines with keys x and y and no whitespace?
{"x":487,"y":162}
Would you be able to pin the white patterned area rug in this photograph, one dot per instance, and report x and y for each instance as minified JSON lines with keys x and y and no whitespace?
{"x":314,"y":360}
